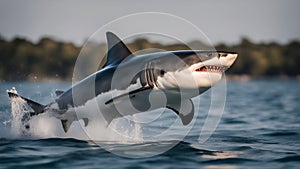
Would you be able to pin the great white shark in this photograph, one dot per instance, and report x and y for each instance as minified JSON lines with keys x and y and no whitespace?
{"x":169,"y":78}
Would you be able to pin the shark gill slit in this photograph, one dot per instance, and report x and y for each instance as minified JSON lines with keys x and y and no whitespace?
{"x":155,"y":71}
{"x":150,"y":75}
{"x":147,"y":76}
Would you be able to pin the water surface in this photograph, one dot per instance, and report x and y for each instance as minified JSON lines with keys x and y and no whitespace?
{"x":259,"y":129}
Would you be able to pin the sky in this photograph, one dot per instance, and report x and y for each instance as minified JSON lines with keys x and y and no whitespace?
{"x":225,"y":21}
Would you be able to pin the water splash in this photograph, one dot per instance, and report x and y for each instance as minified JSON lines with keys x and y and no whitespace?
{"x":46,"y":125}
{"x":137,"y":132}
{"x":20,"y":115}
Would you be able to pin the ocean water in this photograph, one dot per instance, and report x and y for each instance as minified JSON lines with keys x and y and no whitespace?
{"x":260,"y":128}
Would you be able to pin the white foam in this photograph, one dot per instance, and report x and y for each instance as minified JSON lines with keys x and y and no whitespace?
{"x":46,"y":125}
{"x":18,"y":126}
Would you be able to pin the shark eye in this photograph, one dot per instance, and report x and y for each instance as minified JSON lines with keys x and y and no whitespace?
{"x":162,"y":72}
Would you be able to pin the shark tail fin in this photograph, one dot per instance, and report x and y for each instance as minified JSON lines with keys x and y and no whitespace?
{"x":37,"y":107}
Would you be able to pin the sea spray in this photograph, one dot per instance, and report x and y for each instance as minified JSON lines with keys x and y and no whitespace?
{"x":47,"y":125}
{"x":20,"y":116}
{"x":137,"y":131}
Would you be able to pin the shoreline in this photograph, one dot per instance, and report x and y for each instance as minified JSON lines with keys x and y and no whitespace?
{"x":230,"y":77}
{"x":246,"y":78}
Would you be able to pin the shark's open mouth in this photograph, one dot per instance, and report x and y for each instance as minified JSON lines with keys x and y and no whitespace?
{"x":211,"y":68}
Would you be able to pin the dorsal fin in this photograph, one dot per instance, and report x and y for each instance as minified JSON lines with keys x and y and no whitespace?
{"x":117,"y":50}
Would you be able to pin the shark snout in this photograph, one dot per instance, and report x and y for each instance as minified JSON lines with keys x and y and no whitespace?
{"x":227,"y":59}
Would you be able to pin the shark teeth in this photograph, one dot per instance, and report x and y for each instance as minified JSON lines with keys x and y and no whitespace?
{"x":211,"y":68}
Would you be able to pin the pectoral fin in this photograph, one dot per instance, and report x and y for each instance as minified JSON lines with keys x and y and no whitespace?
{"x":184,"y":109}
{"x":125,"y":95}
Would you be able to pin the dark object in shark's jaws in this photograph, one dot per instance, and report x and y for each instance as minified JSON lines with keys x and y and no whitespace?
{"x":178,"y":75}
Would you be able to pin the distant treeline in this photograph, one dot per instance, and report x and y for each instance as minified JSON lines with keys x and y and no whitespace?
{"x":50,"y":59}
